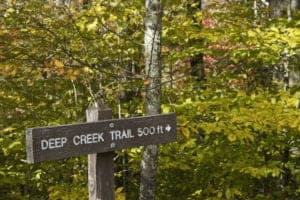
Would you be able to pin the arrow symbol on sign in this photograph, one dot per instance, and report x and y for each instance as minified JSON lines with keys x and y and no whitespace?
{"x":168,"y":128}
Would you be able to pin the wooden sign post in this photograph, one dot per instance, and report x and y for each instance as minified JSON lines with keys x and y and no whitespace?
{"x":100,"y":165}
{"x":99,"y":137}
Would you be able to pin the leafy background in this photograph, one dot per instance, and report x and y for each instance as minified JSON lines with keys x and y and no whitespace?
{"x":238,"y":130}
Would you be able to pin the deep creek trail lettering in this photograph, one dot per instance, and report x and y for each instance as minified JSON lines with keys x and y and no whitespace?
{"x":57,"y":142}
{"x":53,"y":143}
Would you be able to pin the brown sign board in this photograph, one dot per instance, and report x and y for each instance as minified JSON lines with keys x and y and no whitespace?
{"x":58,"y":142}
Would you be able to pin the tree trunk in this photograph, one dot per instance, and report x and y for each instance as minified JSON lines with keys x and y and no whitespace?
{"x":286,"y":172}
{"x":197,"y":67}
{"x":153,"y":67}
{"x":197,"y":64}
{"x":286,"y":71}
{"x":59,"y":2}
{"x":255,"y":10}
{"x":275,"y":10}
{"x":295,"y":4}
{"x":279,"y":7}
{"x":204,"y":4}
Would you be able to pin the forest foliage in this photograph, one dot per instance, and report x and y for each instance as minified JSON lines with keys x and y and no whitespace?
{"x":238,"y":129}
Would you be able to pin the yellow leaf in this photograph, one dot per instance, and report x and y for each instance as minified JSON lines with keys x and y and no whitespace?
{"x":146,"y":82}
{"x":9,"y":129}
{"x":100,"y":9}
{"x":58,"y":64}
{"x":119,"y":194}
{"x":186,"y":132}
{"x":165,"y":109}
{"x":188,"y":100}
{"x":112,"y":17}
{"x":92,"y":26}
{"x":73,"y":74}
{"x":231,"y":137}
{"x":87,"y":70}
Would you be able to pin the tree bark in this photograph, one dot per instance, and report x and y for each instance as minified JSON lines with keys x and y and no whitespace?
{"x":204,"y":4}
{"x":286,"y":172}
{"x":59,"y":2}
{"x":295,"y":4}
{"x":278,"y":7}
{"x":152,"y":42}
{"x":197,"y":64}
{"x":275,"y":10}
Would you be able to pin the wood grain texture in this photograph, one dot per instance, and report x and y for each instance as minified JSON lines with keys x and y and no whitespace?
{"x":29,"y":145}
{"x":100,"y":165}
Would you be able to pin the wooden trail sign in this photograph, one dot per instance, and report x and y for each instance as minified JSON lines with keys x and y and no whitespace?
{"x":58,"y":142}
{"x":98,"y":139}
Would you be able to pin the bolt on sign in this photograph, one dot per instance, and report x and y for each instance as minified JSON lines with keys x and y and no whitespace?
{"x":58,"y":142}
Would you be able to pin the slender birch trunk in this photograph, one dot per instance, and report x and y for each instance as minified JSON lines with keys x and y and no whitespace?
{"x":152,"y":42}
{"x":255,"y":9}
{"x":295,"y":4}
{"x":289,"y":10}
{"x":286,"y":71}
{"x":276,"y":8}
{"x":204,"y":4}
